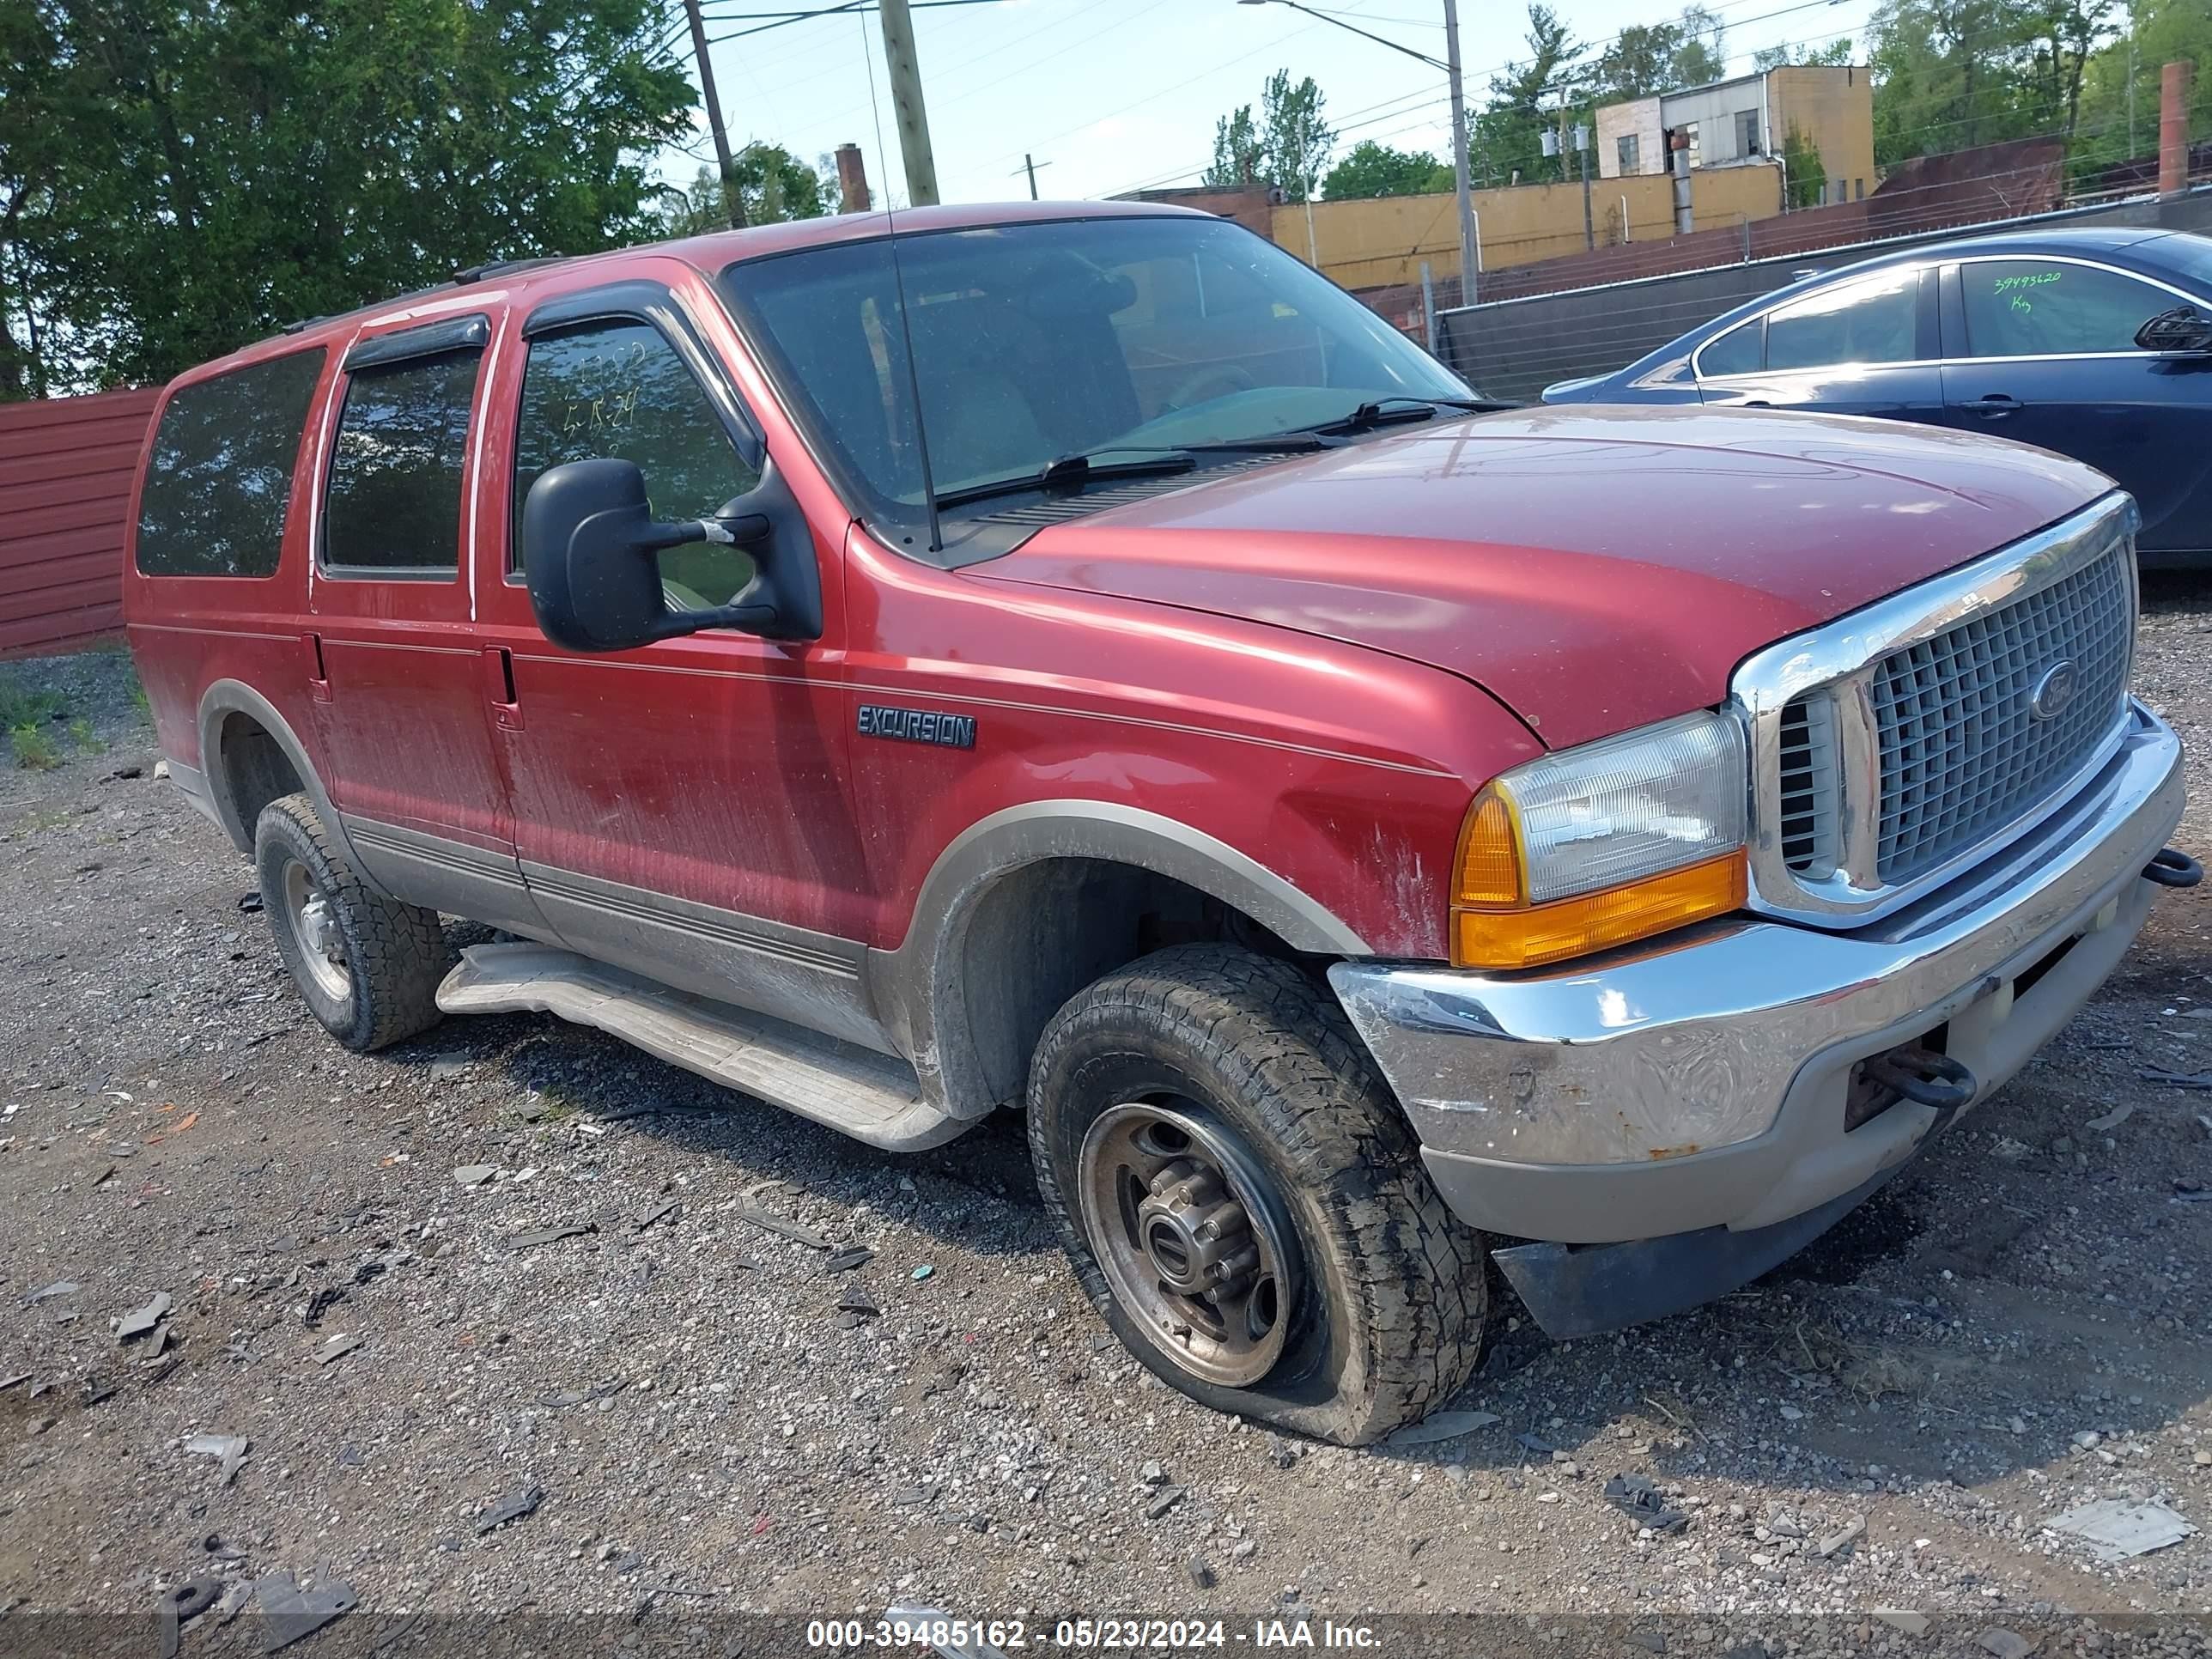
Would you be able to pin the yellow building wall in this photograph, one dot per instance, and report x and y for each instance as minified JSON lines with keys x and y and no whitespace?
{"x":1371,"y":243}
{"x":1833,"y":108}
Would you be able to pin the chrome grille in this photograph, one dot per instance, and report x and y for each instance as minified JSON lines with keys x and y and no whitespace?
{"x":1807,"y":801}
{"x":1900,"y":740}
{"x":1963,"y":750}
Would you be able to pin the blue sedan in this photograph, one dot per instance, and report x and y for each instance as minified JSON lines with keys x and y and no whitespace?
{"x":2096,"y":343}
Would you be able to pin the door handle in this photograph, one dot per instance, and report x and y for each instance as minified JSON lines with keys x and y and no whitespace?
{"x":319,"y":674}
{"x":1994,"y":404}
{"x":1757,"y":402}
{"x":498,"y":688}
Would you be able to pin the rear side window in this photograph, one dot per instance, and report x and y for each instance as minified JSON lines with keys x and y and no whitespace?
{"x":220,"y":475}
{"x":394,"y":499}
{"x":1871,"y":322}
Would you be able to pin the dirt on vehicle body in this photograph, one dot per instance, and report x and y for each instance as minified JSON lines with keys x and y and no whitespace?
{"x":1084,"y":662}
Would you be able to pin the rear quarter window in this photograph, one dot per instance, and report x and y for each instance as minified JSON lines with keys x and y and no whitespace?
{"x":1741,"y":350}
{"x":219,"y":478}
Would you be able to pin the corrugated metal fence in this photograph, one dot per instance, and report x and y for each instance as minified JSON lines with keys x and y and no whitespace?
{"x":65,"y":467}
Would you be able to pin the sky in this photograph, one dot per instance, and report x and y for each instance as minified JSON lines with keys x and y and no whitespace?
{"x":1115,"y":95}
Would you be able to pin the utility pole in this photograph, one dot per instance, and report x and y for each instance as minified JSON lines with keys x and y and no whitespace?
{"x":1461,"y":186}
{"x":732,"y":203}
{"x":1581,"y":166}
{"x":1029,"y":166}
{"x":906,"y":102}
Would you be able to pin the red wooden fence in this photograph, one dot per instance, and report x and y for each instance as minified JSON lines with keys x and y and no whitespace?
{"x":65,"y":467}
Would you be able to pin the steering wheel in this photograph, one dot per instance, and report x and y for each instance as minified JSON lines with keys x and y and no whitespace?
{"x":1208,"y":384}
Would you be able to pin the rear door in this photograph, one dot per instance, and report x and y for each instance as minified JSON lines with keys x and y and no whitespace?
{"x":1865,"y":346}
{"x":397,"y":675}
{"x":2043,"y":350}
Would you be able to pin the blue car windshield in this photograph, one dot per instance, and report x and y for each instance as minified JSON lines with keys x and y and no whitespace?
{"x":2185,"y":255}
{"x":1032,"y":342}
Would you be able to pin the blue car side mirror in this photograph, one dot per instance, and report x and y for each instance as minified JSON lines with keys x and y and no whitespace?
{"x":2183,"y":331}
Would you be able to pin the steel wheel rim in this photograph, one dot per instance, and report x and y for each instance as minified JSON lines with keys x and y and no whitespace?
{"x":1191,"y":1237}
{"x":315,"y":925}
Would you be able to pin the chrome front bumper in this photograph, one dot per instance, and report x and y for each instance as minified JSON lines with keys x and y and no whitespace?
{"x":1701,"y":1082}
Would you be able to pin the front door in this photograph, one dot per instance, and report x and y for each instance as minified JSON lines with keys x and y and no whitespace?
{"x":681,"y":810}
{"x":1860,"y":348}
{"x":396,"y":676}
{"x":2044,"y":350}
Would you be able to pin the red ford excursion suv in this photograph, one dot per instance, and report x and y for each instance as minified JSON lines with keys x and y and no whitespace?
{"x":1079,"y":659}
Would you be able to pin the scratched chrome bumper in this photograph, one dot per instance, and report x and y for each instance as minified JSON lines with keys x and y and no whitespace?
{"x":1701,"y":1082}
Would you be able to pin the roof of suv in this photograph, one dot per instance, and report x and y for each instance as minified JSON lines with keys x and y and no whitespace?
{"x":713,"y":252}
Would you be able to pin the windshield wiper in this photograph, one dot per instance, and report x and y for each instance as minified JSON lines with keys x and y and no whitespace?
{"x":1402,"y":407}
{"x":1069,"y":473}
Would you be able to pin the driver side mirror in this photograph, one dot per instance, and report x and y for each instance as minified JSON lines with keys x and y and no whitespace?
{"x":2183,"y":331}
{"x":590,"y":550}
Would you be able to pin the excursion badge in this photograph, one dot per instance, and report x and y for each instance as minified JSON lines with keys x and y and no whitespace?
{"x":918,"y":725}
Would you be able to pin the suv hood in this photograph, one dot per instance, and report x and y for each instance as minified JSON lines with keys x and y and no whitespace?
{"x":1594,"y":568}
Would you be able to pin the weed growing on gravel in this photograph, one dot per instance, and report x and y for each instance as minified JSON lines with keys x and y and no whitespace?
{"x":88,"y":741}
{"x":34,"y":749}
{"x":20,"y":708}
{"x":1870,"y":1369}
{"x":139,"y":700}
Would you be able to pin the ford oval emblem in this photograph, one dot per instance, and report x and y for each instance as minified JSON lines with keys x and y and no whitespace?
{"x":2054,"y":691}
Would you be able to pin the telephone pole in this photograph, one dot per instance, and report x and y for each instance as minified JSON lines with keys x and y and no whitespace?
{"x":732,"y":202}
{"x":1461,"y":186}
{"x":906,"y":102}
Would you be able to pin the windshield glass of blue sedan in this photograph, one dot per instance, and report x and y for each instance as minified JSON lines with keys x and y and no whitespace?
{"x":1037,"y":341}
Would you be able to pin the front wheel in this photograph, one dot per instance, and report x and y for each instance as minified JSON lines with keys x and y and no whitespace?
{"x":1243,"y":1201}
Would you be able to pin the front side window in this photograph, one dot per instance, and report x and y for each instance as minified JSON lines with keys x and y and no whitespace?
{"x":1624,"y":149}
{"x":393,"y":503}
{"x":2040,"y":307}
{"x":1746,"y":132}
{"x":1874,"y":321}
{"x":618,"y":391}
{"x":1033,"y":342}
{"x":219,"y":478}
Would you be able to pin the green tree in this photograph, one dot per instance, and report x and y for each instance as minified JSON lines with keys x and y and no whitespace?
{"x":1950,"y":74}
{"x":1651,"y":57}
{"x":175,"y":180}
{"x":1802,"y":167}
{"x":2162,"y":30}
{"x":773,"y":184}
{"x":1508,"y":136}
{"x":1287,"y":146}
{"x":1297,"y":139}
{"x":1702,"y":55}
{"x":1370,"y":169}
{"x":1835,"y":55}
{"x":1239,"y":157}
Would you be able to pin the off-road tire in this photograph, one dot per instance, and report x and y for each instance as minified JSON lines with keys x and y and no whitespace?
{"x":396,"y":953}
{"x":1395,"y":1288}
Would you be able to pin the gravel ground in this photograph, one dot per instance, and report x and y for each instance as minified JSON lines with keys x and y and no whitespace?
{"x":2016,"y":1325}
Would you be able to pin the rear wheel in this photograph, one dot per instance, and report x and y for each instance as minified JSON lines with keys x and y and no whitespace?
{"x":1243,"y":1201}
{"x":367,"y":966}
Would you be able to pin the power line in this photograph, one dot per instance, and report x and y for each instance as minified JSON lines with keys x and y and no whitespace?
{"x":782,"y":20}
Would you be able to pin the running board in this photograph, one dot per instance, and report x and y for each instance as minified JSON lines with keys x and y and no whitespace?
{"x":867,"y":1095}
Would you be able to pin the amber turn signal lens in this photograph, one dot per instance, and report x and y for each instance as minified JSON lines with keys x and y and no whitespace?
{"x":1489,"y":869}
{"x":1537,"y":935}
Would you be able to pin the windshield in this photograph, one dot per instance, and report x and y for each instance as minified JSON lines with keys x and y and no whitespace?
{"x":1038,"y":341}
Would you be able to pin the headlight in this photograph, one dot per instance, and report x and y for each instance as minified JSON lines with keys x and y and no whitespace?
{"x":1600,"y":845}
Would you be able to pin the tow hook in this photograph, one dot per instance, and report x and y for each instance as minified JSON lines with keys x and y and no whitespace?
{"x":1923,"y":1075}
{"x":2173,"y":868}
